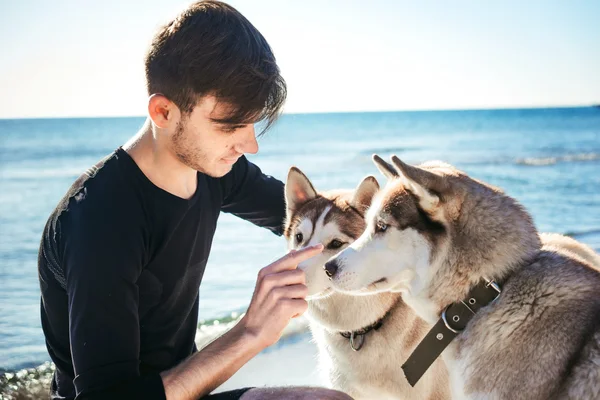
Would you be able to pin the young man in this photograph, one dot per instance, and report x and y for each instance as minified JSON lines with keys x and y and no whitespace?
{"x":123,"y":254}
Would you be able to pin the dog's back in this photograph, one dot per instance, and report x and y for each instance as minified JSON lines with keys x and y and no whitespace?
{"x":572,"y":247}
{"x":586,"y":367}
{"x":541,"y":340}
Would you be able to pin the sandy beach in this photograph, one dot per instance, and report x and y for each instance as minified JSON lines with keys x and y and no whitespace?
{"x":290,"y":362}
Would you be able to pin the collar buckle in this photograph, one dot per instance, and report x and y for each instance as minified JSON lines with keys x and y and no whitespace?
{"x":492,"y":283}
{"x":359,"y":338}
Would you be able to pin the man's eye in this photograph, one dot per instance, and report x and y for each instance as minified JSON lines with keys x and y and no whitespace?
{"x":381,"y":226}
{"x":335,"y":244}
{"x":231,"y":128}
{"x":299,"y":238}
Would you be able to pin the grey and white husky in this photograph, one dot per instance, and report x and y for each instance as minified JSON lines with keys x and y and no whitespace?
{"x":362,"y":340}
{"x":518,"y":318}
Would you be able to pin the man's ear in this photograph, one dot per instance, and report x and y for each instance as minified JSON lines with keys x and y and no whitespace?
{"x":298,"y":189}
{"x":162,"y":111}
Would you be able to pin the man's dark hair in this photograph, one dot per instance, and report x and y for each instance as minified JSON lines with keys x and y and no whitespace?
{"x":212,"y":49}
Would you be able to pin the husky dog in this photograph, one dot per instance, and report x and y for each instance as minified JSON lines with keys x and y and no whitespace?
{"x":362,"y":341}
{"x":524,"y":318}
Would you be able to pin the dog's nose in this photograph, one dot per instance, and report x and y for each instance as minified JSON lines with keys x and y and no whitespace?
{"x":331,"y":268}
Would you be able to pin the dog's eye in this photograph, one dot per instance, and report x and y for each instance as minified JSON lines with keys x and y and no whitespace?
{"x":335,"y":244}
{"x":299,"y":237}
{"x":381,"y":226}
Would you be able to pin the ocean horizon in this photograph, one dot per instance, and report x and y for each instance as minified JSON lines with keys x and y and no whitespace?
{"x":546,"y":158}
{"x":416,"y":110}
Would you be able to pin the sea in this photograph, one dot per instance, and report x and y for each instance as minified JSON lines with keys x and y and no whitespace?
{"x":548,"y":159}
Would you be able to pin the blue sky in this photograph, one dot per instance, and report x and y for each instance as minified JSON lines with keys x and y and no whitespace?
{"x":85,"y":58}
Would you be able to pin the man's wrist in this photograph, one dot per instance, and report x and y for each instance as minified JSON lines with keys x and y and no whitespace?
{"x":247,"y":338}
{"x":213,"y":364}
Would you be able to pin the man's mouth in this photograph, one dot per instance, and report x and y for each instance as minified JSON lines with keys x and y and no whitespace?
{"x":230,"y":160}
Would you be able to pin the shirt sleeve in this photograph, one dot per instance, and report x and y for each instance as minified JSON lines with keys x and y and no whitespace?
{"x":102,"y":258}
{"x":254,"y":196}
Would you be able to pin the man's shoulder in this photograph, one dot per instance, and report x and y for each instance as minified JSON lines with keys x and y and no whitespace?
{"x":104,"y":190}
{"x":100,"y":205}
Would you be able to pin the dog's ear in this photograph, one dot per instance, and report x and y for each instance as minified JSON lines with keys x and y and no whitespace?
{"x":422,"y":183}
{"x":298,"y":189}
{"x":363,"y":195}
{"x":386,"y":169}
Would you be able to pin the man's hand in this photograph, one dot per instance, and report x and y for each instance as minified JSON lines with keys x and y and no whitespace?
{"x":278,"y":297}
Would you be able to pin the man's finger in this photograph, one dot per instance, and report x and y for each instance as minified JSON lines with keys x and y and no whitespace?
{"x":290,"y":292}
{"x":283,"y":278}
{"x":296,"y":307}
{"x":291,"y":260}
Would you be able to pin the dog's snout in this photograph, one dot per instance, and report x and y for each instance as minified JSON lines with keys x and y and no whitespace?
{"x":331,"y":268}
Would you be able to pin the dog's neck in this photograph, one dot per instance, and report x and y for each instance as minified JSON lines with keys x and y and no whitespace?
{"x":491,"y":242}
{"x":342,"y":313}
{"x":445,"y":292}
{"x":483,"y":247}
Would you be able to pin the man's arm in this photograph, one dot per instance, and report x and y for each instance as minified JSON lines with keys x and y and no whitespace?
{"x":254,"y":196}
{"x":278,"y":297}
{"x":103,"y":255}
{"x":103,"y":251}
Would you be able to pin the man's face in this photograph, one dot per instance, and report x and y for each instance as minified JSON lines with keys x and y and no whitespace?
{"x":208,"y":146}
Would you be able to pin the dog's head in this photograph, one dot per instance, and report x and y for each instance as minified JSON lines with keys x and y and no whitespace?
{"x":432,"y":232}
{"x":334,"y":219}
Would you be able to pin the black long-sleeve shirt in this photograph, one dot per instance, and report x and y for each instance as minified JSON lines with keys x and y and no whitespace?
{"x":120,"y":266}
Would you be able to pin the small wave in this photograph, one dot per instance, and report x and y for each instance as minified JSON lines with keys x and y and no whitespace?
{"x":385,"y":150}
{"x":542,"y":161}
{"x":26,"y":174}
{"x":578,"y":234}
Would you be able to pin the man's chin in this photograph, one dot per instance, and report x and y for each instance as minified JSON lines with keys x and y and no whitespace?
{"x":222,"y":174}
{"x":218,"y":172}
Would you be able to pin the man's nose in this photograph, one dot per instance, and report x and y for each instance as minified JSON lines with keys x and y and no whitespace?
{"x":331,"y":267}
{"x":249,"y":144}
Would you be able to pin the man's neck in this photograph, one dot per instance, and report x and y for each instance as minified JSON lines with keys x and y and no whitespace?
{"x":150,"y":151}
